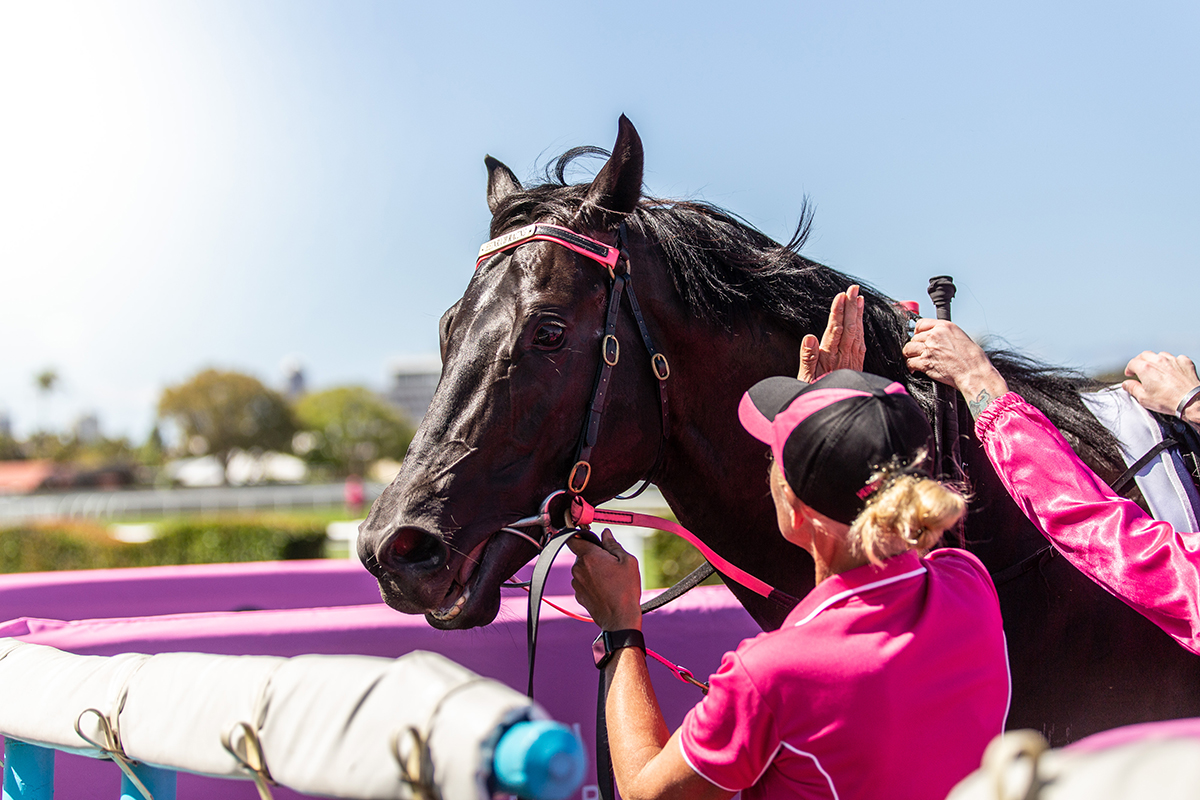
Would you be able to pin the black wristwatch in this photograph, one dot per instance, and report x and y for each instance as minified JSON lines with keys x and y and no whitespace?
{"x":609,"y":642}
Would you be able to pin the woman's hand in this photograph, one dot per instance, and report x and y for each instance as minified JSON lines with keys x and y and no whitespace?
{"x":843,"y":346}
{"x":1161,"y":380}
{"x":607,"y":583}
{"x":942,"y":351}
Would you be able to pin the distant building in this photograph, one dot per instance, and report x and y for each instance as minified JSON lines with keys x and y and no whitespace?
{"x":23,"y":477}
{"x":87,"y":429}
{"x":35,"y":475}
{"x":5,"y":424}
{"x":294,"y":383}
{"x":413,"y":380}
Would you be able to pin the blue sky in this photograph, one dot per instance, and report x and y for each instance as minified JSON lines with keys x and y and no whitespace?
{"x":236,"y":184}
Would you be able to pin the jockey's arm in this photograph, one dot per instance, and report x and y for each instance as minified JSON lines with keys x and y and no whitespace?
{"x":1144,"y":562}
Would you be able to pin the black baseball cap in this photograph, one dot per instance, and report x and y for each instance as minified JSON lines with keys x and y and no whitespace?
{"x":830,"y":436}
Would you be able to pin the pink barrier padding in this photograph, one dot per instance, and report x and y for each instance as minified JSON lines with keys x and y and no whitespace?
{"x":694,"y":631}
{"x":558,"y":581}
{"x":1135,"y":733}
{"x":145,"y":591}
{"x":149,"y":591}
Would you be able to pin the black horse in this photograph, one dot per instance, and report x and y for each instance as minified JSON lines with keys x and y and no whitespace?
{"x":728,"y":307}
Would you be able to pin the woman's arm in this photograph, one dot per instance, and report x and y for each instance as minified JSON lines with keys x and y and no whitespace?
{"x":647,"y":761}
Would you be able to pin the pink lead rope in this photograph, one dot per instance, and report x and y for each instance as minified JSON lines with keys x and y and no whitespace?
{"x":583,"y":513}
{"x":683,"y":673}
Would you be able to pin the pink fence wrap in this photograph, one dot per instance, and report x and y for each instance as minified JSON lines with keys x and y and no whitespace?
{"x":143,"y":608}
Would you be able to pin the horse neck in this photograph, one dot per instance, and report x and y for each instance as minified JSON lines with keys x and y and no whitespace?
{"x":715,"y":474}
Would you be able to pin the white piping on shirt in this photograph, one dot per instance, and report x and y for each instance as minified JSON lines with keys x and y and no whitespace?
{"x":695,"y":769}
{"x":770,"y":761}
{"x":817,"y":762}
{"x":840,"y":596}
{"x":767,"y":766}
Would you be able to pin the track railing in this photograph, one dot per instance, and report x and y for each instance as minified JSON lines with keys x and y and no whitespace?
{"x":420,"y":726}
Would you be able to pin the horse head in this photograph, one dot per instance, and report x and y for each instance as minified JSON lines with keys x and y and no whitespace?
{"x":520,"y":352}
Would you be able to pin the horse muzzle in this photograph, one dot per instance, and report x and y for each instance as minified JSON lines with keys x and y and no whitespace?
{"x":420,"y":573}
{"x":408,"y":563}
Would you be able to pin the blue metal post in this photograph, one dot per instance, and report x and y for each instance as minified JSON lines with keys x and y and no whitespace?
{"x":28,"y":771}
{"x":159,"y":782}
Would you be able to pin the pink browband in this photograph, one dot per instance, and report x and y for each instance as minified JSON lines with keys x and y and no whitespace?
{"x":584,"y":245}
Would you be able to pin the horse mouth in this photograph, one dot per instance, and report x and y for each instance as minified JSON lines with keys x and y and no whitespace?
{"x":473,"y":597}
{"x":460,"y":588}
{"x":446,"y":614}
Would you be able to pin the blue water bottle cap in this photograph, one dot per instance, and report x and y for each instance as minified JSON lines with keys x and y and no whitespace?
{"x":539,"y":760}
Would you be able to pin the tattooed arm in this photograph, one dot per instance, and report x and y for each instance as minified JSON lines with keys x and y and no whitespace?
{"x":942,"y":351}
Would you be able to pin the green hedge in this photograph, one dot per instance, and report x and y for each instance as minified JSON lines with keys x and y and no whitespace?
{"x":669,"y":559}
{"x":207,"y":541}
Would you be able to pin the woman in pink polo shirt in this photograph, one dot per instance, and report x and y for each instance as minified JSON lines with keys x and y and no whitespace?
{"x":887,"y":680}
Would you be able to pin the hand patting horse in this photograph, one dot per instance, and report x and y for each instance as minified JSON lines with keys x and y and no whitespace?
{"x":522,"y":364}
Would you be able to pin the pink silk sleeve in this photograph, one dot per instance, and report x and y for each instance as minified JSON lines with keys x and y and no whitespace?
{"x":1142,"y":561}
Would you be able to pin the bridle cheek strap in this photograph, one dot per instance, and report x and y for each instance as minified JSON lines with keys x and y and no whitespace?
{"x":608,"y":257}
{"x":583,"y":245}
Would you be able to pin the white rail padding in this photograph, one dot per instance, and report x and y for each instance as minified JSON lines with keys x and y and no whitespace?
{"x":329,"y":725}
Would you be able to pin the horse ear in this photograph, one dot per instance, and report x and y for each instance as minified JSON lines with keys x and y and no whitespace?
{"x":618,"y":186}
{"x":501,"y":183}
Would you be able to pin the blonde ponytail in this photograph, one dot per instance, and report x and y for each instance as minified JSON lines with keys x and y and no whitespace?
{"x":906,"y":512}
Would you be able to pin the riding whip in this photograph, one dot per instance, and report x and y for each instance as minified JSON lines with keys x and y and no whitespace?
{"x":947,"y":448}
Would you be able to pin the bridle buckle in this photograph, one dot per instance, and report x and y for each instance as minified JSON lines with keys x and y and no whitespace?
{"x":586,"y":469}
{"x":660,"y":366}
{"x":610,"y":350}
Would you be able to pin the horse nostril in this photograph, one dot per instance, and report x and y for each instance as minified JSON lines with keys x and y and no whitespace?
{"x":414,"y":546}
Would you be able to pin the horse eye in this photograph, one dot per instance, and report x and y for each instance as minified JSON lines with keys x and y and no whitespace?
{"x":549,"y":336}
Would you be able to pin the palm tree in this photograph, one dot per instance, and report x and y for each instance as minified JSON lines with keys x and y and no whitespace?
{"x":46,"y":382}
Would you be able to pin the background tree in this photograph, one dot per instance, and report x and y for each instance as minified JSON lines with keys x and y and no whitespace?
{"x":47,"y":382}
{"x":221,"y":412}
{"x":10,"y":448}
{"x":348,"y":427}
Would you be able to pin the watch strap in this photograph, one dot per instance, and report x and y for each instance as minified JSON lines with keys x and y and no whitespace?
{"x":609,"y":642}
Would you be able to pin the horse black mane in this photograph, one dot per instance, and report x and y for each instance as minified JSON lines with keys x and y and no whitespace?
{"x":729,"y":272}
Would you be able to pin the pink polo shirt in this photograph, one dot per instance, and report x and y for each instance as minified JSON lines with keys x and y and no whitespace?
{"x":883,"y":682}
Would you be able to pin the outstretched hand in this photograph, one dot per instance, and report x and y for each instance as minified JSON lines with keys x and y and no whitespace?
{"x":843,"y":345}
{"x":1161,"y":380}
{"x":607,"y":582}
